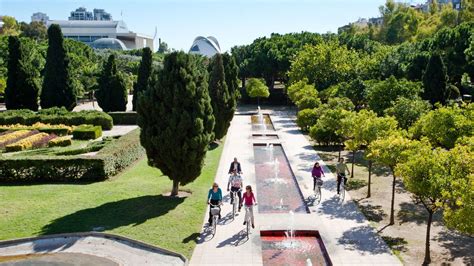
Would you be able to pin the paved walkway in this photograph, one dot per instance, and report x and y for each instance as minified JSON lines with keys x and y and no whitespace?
{"x":346,"y":233}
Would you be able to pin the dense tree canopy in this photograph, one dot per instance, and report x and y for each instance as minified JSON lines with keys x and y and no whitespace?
{"x":112,"y":93}
{"x":176,"y":119}
{"x":144,"y":73}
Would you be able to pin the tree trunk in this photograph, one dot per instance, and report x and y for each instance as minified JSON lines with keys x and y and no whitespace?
{"x":174,"y":191}
{"x":427,"y":259}
{"x":370,"y":178}
{"x":392,"y":205}
{"x":340,"y":148}
{"x":353,"y":162}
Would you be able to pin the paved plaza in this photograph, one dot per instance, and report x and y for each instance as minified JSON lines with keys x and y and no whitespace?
{"x":346,"y":233}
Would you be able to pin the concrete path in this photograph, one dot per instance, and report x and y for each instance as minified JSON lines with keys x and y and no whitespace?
{"x":346,"y":233}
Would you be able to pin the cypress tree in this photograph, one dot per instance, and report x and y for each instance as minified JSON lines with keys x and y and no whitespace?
{"x":58,"y":88}
{"x":221,"y":100}
{"x":435,"y":80}
{"x":144,"y":73}
{"x":176,"y":119}
{"x":112,"y":93}
{"x":22,"y":90}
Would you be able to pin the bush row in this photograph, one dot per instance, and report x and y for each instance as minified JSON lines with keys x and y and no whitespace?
{"x":91,"y":147}
{"x":56,"y":116}
{"x":60,"y":142}
{"x":87,"y":132}
{"x":108,"y":162}
{"x":124,"y":118}
{"x":59,"y":130}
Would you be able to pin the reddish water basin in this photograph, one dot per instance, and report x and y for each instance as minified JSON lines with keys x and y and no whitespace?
{"x":305,"y":248}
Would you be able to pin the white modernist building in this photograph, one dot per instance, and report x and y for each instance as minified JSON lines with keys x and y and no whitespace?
{"x":205,"y":46}
{"x":91,"y":31}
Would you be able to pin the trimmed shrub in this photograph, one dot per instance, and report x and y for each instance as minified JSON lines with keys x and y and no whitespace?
{"x":55,"y":117}
{"x":124,"y":118}
{"x":60,"y":142}
{"x":109,"y":161}
{"x":15,"y":136}
{"x":91,"y":147}
{"x":35,"y":141}
{"x":87,"y":132}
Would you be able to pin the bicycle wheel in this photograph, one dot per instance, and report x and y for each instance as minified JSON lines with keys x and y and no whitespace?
{"x":248,"y":228}
{"x":234,"y":208}
{"x":214,"y":225}
{"x":317,"y":194}
{"x":343,"y":192}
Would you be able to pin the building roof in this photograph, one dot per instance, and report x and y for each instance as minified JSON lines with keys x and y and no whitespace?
{"x":207,"y":46}
{"x":108,"y":43}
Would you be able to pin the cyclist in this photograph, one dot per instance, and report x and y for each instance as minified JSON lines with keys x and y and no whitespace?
{"x":235,"y":166}
{"x":249,"y":201}
{"x":214,"y":197}
{"x":236,"y":183}
{"x":317,"y":172}
{"x":341,"y":169}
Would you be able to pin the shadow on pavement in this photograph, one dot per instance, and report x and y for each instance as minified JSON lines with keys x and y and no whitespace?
{"x":235,"y":240}
{"x":364,"y":239}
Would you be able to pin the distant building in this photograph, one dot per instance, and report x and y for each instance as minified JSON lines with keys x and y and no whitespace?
{"x":100,"y":14}
{"x":205,"y":46}
{"x":81,"y":13}
{"x":361,"y":22}
{"x":376,"y":21}
{"x":90,"y":31}
{"x":39,"y":17}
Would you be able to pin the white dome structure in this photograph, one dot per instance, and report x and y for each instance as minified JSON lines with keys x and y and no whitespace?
{"x":205,"y":46}
{"x":108,"y":43}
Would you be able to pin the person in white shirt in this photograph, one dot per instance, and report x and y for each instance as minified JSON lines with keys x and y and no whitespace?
{"x":236,"y":183}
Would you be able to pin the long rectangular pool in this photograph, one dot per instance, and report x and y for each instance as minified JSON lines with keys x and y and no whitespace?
{"x":277,"y":188}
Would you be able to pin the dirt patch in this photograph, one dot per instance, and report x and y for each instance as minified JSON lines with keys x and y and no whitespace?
{"x":407,"y":237}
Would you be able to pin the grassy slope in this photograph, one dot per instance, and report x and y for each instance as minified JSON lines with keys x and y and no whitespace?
{"x":131,"y":204}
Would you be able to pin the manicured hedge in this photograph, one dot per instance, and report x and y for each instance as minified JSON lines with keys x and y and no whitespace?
{"x":58,"y":130}
{"x":87,"y":132}
{"x":109,"y":161}
{"x":91,"y":147}
{"x":124,"y":118}
{"x":56,"y":116}
{"x":60,"y":142}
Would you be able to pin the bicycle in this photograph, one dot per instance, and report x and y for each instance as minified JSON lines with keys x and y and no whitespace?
{"x":215,"y":210}
{"x":342,"y":187}
{"x":235,"y":204}
{"x":248,"y":219}
{"x":317,"y":190}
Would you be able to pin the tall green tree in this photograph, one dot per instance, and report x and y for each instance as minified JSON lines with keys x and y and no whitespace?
{"x":439,"y":178}
{"x":176,"y":119}
{"x":144,"y":73}
{"x":22,"y":89}
{"x":58,"y":87}
{"x":407,"y":111}
{"x":231,"y":71}
{"x":223,"y":105}
{"x":435,"y":80}
{"x":257,"y":89}
{"x":391,"y":151}
{"x":112,"y":93}
{"x":36,"y":30}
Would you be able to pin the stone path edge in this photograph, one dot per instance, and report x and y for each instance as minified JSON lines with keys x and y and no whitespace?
{"x":122,"y":239}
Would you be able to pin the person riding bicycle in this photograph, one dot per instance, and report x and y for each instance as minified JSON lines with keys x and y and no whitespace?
{"x":214,"y":197}
{"x":249,"y":201}
{"x":235,"y":166}
{"x":316,"y":173}
{"x":341,"y":168}
{"x":236,"y":183}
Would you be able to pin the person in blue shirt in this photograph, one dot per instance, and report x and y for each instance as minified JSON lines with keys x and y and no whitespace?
{"x":214,"y":197}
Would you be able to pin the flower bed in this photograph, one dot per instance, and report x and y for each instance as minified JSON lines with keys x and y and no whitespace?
{"x":35,"y":141}
{"x":14,"y":136}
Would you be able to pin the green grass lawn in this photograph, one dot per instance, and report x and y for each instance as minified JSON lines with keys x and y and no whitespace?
{"x":131,"y":204}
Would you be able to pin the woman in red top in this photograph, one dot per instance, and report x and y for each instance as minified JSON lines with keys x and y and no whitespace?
{"x":249,"y":201}
{"x":317,"y":172}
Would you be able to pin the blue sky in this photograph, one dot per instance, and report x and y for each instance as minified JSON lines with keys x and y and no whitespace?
{"x":178,"y":22}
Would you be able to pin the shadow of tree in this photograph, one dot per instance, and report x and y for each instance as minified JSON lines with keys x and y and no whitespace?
{"x":363,"y":238}
{"x":415,"y":213}
{"x":346,"y":210}
{"x":372,"y":213}
{"x":459,"y":246}
{"x":133,"y":211}
{"x":396,"y":243}
{"x":192,"y":237}
{"x":354,"y":184}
